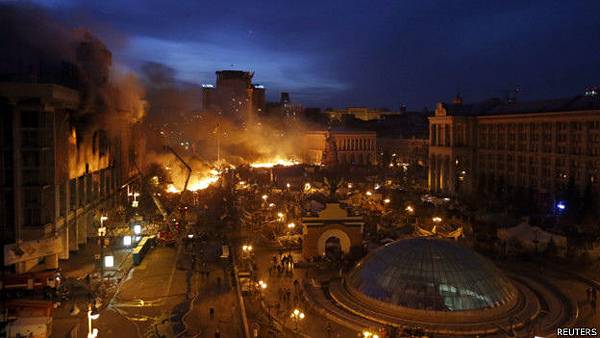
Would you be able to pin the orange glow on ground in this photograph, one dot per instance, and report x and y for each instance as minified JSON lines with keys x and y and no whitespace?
{"x":274,"y":162}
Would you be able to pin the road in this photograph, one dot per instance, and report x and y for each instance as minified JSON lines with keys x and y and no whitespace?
{"x":166,"y":296}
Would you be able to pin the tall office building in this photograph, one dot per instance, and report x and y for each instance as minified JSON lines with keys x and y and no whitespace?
{"x":61,"y":162}
{"x":234,"y":96}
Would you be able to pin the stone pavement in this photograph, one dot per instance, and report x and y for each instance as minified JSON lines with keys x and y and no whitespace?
{"x":279,"y":305}
{"x":81,"y":264}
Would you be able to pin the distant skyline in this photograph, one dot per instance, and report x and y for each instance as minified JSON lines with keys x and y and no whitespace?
{"x":358,"y":53}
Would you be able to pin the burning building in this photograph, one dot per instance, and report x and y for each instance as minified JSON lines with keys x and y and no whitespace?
{"x":69,"y":140}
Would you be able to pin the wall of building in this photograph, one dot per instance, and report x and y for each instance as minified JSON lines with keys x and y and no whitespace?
{"x":505,"y":153}
{"x":54,"y":182}
{"x":353,"y":147}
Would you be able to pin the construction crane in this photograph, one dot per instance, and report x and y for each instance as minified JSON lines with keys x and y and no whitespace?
{"x":188,"y":168}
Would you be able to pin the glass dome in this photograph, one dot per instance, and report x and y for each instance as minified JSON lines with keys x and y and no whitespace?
{"x":431,"y":274}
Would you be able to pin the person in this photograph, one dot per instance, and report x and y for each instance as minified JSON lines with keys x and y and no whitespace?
{"x":211,"y":312}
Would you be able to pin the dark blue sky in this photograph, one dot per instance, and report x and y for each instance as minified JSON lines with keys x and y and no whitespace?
{"x":376,"y":53}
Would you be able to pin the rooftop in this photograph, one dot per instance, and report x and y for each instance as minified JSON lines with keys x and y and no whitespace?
{"x":497,"y":106}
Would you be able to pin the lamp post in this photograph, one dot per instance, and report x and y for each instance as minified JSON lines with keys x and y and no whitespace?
{"x":101,"y":235}
{"x":409,"y":211}
{"x":369,"y":334}
{"x":135,"y":202}
{"x":296,"y":316}
{"x":92,"y":314}
{"x":247,"y":250}
{"x":290,"y":227}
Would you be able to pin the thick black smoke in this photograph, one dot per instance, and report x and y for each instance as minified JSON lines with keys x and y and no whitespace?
{"x":38,"y":49}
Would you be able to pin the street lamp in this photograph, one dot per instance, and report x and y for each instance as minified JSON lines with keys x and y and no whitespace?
{"x":137,"y":229}
{"x":297,"y":315}
{"x":291,"y":226}
{"x":436,"y":219}
{"x":92,"y":314}
{"x":109,"y":261}
{"x":101,"y":234}
{"x":287,"y":185}
{"x":264,"y":197}
{"x":369,"y":334}
{"x":410,"y":209}
{"x":126,"y":240}
{"x":262,"y":284}
{"x":369,"y":193}
{"x":387,"y":201}
{"x":307,"y":187}
{"x":135,"y":202}
{"x":247,"y":249}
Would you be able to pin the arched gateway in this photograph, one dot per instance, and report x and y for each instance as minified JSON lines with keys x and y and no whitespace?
{"x":332,"y":232}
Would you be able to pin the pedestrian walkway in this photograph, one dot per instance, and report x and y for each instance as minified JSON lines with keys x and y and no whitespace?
{"x":82,"y":279}
{"x":284,"y":293}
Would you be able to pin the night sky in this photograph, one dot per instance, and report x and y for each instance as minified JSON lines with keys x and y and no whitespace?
{"x":347,"y":53}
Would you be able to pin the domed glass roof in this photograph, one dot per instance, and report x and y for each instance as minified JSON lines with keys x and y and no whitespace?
{"x":431,"y":274}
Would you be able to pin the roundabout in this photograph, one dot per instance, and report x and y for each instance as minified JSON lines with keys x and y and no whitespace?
{"x":442,"y":288}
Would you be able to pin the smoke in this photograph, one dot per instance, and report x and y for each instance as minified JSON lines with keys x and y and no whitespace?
{"x":46,"y":51}
{"x":175,"y":115}
{"x":38,"y":49}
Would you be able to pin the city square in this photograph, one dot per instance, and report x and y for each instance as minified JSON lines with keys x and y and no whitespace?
{"x":173,"y":183}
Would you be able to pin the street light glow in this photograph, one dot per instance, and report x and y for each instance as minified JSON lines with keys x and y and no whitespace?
{"x":137,"y":229}
{"x":264,"y":197}
{"x":369,"y":334}
{"x":437,"y":219}
{"x":291,"y":225}
{"x":410,"y":209}
{"x":386,"y":201}
{"x":369,"y":193}
{"x":109,"y":261}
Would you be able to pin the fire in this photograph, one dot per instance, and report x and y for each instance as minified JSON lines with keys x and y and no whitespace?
{"x":198,"y":183}
{"x":205,"y":182}
{"x":274,"y":162}
{"x":172,"y":189}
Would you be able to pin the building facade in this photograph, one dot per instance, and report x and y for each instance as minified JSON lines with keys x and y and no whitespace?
{"x":503,"y":147}
{"x":332,"y":230}
{"x":352,"y":147}
{"x":55,"y":178}
{"x":234,"y":96}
